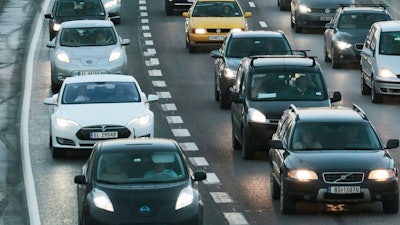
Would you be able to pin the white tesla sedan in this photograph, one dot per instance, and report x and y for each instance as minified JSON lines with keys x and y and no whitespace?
{"x":98,"y":107}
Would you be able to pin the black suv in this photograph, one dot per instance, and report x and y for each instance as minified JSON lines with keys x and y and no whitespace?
{"x":238,"y":45}
{"x":265,"y":86}
{"x":331,"y":155}
{"x":171,"y":5}
{"x":66,"y":10}
{"x":345,"y":34}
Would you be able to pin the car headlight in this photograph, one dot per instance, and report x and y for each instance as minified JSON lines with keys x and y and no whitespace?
{"x":115,"y":54}
{"x":381,"y":174}
{"x":110,"y":4}
{"x":56,"y":26}
{"x":342,"y":45}
{"x":101,"y":200}
{"x":386,"y":73}
{"x":229,"y":73}
{"x":62,"y":56}
{"x":199,"y":31}
{"x":304,"y":9}
{"x":256,"y":116}
{"x":62,"y":122}
{"x":237,"y":29}
{"x":142,"y":120}
{"x":303,"y":175}
{"x":185,"y":198}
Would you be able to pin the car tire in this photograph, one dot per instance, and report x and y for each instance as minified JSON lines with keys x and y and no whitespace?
{"x":191,"y":48}
{"x":292,"y":25}
{"x":391,"y":206}
{"x":287,"y":205}
{"x":375,"y":97}
{"x":247,"y":151}
{"x":273,"y":186}
{"x":365,"y":89}
{"x":335,"y":65}
{"x":326,"y":57}
{"x":235,"y":142}
{"x":217,"y":93}
{"x":225,"y":101}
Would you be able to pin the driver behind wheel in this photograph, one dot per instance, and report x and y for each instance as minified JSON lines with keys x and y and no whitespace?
{"x":160,"y":166}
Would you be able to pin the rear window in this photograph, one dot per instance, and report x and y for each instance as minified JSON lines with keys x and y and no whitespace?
{"x":241,"y":47}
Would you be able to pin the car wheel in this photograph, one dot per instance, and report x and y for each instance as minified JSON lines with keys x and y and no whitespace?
{"x":216,"y":92}
{"x":292,"y":25}
{"x":365,"y":89}
{"x":247,"y":151}
{"x":225,"y":101}
{"x":335,"y":65}
{"x":235,"y":142}
{"x":375,"y":97}
{"x":191,"y":48}
{"x":273,"y":186}
{"x":288,"y":206}
{"x":326,"y":57}
{"x":391,"y":206}
{"x":298,"y":29}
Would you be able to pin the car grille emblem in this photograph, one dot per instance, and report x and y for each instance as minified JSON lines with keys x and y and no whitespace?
{"x":89,"y":61}
{"x":103,"y":128}
{"x":145,"y":209}
{"x":218,"y":30}
{"x":327,"y":10}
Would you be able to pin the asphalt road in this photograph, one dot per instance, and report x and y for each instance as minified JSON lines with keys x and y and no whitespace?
{"x":238,"y":192}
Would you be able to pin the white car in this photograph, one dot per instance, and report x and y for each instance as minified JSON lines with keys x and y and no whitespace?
{"x":380,"y":57}
{"x":98,"y":107}
{"x":86,"y":47}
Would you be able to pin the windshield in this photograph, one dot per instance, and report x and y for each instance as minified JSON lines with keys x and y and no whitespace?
{"x":241,"y":47}
{"x":217,"y":9}
{"x":140,"y":166}
{"x":334,"y":136}
{"x":79,"y":9}
{"x":100,"y":92}
{"x":280,"y":86}
{"x":390,"y":43}
{"x":360,"y":20}
{"x":87,"y":36}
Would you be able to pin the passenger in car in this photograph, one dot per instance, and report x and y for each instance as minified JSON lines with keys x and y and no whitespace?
{"x":303,"y":87}
{"x":307,"y":141}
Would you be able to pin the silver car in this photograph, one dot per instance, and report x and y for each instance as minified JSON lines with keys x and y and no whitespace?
{"x":86,"y":47}
{"x":113,"y":8}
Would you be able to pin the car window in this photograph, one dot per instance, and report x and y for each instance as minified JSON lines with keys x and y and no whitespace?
{"x":74,"y":9}
{"x":110,"y":92}
{"x":278,"y":86}
{"x":335,"y":136}
{"x":140,"y":166}
{"x":241,"y":47}
{"x":92,"y":36}
{"x":360,"y":20}
{"x":389,"y":43}
{"x":217,"y":9}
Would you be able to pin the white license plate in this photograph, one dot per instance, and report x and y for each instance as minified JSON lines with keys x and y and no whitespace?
{"x":325,"y":18}
{"x":83,"y":73}
{"x":103,"y":135}
{"x":216,"y":38}
{"x":344,"y":189}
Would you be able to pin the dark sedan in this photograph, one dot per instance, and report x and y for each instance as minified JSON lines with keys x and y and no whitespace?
{"x":139,"y":181}
{"x":331,"y":155}
{"x":345,"y":35}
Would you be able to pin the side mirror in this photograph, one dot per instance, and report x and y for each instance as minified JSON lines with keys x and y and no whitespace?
{"x":215,"y":54}
{"x":275,"y":144}
{"x":80,"y":179}
{"x":51,"y":100}
{"x":152,"y":98}
{"x":235,"y":97}
{"x":186,"y":14}
{"x":51,"y":44}
{"x":247,"y":14}
{"x":329,"y":26}
{"x":200,"y":175}
{"x":337,"y":96}
{"x":392,"y":143}
{"x":126,"y":41}
{"x":48,"y":16}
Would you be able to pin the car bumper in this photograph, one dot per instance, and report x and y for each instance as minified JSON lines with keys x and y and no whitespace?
{"x":79,"y":137}
{"x":317,"y":191}
{"x":313,"y":20}
{"x":207,"y":39}
{"x":183,"y":5}
{"x":387,"y":86}
{"x":350,"y":55}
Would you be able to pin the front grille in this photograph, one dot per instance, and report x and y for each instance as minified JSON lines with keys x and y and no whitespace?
{"x":319,"y":10}
{"x":221,"y":30}
{"x":343,"y":177}
{"x":84,"y":133}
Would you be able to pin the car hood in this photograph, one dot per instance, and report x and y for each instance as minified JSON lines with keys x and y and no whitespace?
{"x":232,"y":63}
{"x":61,"y":19}
{"x":389,"y":62}
{"x":218,"y":22}
{"x":106,"y":113}
{"x":332,"y":4}
{"x":339,"y":159}
{"x":274,"y":109}
{"x":351,"y":35}
{"x":89,"y":52}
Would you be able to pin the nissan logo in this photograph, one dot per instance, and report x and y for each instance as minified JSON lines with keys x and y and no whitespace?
{"x":89,"y":61}
{"x":145,"y":209}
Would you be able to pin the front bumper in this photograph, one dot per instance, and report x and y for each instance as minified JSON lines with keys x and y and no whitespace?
{"x":313,"y":20}
{"x":387,"y":86}
{"x":208,"y":39}
{"x":349,"y":55}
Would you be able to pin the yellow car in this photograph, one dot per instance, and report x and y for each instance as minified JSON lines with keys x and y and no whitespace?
{"x":208,"y":22}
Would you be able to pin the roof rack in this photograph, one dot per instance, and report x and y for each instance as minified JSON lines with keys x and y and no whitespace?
{"x":359,"y":111}
{"x":384,"y":6}
{"x":302,"y":55}
{"x":293,"y":108}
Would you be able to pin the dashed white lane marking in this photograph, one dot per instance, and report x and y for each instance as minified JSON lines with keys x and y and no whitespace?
{"x":155,"y":73}
{"x":144,"y":20}
{"x":146,"y":27}
{"x":152,"y":62}
{"x":143,"y":8}
{"x":235,"y":218}
{"x":263,"y":24}
{"x":180,"y":132}
{"x":252,"y":5}
{"x":164,"y":94}
{"x":148,"y":42}
{"x":168,"y":107}
{"x":189,"y":146}
{"x":212,"y":179}
{"x":199,"y":161}
{"x":159,"y":83}
{"x":147,"y":35}
{"x":150,"y":52}
{"x":143,"y":14}
{"x":174,"y":119}
{"x":221,"y":197}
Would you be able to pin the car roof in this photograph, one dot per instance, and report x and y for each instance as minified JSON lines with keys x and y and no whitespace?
{"x":364,"y":9}
{"x":330,"y":114}
{"x":150,"y":143}
{"x":100,"y":78}
{"x":257,"y":33}
{"x":391,"y":25}
{"x":86,"y":23}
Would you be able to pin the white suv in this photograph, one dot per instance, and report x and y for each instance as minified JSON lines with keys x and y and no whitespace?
{"x":380,"y":57}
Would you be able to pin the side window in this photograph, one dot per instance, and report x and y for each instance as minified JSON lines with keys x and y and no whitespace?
{"x":373,"y":40}
{"x":286,"y":134}
{"x":368,"y":38}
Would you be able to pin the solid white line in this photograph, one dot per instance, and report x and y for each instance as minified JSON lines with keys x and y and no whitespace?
{"x":33,"y":209}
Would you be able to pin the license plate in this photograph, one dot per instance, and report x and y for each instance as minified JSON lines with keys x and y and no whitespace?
{"x":325,"y":18}
{"x":83,"y":73}
{"x":216,"y":38}
{"x":103,"y":135}
{"x":344,"y":189}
